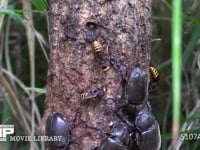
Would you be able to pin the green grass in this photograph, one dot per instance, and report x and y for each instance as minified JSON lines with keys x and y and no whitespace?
{"x":176,"y":63}
{"x":22,"y":105}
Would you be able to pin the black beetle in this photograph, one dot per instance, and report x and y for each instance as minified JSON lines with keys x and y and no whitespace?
{"x":148,"y":131}
{"x":140,"y":130}
{"x":57,"y":125}
{"x":118,"y":140}
{"x":147,"y":128}
{"x":137,"y":87}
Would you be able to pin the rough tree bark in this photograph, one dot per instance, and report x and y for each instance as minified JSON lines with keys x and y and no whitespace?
{"x":123,"y":27}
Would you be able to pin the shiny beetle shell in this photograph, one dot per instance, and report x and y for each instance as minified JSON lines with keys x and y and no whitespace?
{"x":117,"y":141}
{"x":137,"y":87}
{"x":57,"y":125}
{"x":140,"y":130}
{"x":149,"y":131}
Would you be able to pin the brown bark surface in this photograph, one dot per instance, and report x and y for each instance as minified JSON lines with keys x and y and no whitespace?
{"x":123,"y":28}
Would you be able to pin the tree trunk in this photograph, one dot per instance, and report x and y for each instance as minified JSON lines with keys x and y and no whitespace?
{"x":78,"y":83}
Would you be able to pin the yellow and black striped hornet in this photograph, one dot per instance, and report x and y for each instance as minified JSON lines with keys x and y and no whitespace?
{"x":83,"y":95}
{"x":154,"y":72}
{"x":100,"y":56}
{"x":92,"y":94}
{"x":155,"y":77}
{"x":97,"y":47}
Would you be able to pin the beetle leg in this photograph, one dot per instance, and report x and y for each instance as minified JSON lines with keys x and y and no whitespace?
{"x":148,"y":104}
{"x":148,"y":136}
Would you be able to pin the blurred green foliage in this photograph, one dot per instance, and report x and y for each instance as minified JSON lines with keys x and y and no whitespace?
{"x":161,"y":55}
